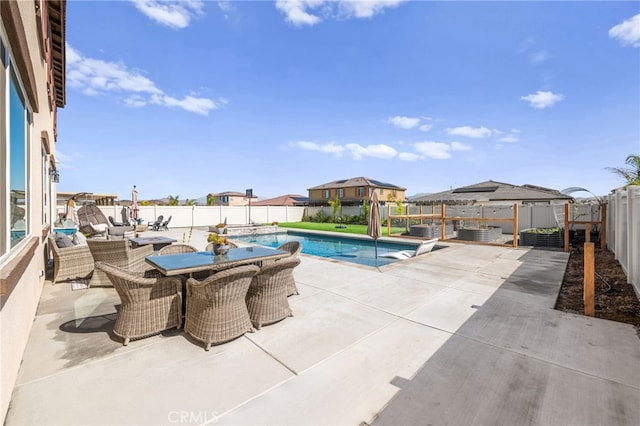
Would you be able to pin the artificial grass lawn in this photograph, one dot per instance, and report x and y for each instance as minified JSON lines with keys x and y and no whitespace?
{"x":331,"y":227}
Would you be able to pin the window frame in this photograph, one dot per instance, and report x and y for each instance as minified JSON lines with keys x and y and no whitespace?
{"x":11,"y":89}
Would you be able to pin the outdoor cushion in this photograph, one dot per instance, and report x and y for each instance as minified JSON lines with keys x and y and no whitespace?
{"x":63,"y":240}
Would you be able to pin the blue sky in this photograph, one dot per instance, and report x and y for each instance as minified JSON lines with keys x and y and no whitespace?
{"x":194,"y":97}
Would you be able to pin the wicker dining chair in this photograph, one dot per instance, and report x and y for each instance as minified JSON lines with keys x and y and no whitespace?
{"x":70,"y":262}
{"x":267,"y":296}
{"x":231,"y":244}
{"x":293,"y":247}
{"x":148,"y":305}
{"x":216,"y":310}
{"x":176,"y":249}
{"x":118,"y":253}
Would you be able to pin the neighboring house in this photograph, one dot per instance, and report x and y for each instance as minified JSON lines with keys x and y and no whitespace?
{"x":354,"y":191}
{"x":32,"y":87}
{"x":284,"y":200}
{"x":231,"y":198}
{"x":491,"y":192}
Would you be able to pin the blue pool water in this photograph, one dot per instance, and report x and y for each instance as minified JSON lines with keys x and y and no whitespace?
{"x":347,"y":249}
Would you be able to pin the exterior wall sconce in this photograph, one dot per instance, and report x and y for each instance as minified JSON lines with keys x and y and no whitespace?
{"x":54,"y":175}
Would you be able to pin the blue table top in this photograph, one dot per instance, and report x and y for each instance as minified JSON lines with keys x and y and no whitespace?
{"x":176,"y":264}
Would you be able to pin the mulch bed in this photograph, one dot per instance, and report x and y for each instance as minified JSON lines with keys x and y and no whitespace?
{"x":615,"y":299}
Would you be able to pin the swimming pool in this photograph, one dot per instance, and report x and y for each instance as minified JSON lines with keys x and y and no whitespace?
{"x":344,"y":248}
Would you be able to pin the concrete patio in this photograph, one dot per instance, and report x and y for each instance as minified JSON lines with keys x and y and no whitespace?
{"x":464,"y":335}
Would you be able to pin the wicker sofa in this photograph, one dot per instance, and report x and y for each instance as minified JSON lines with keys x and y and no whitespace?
{"x":120,"y":254}
{"x":70,"y":262}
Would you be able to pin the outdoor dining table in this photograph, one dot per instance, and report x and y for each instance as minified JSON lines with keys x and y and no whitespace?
{"x":188,"y":263}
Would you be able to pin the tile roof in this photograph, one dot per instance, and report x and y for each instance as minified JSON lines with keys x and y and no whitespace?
{"x":284,"y":200}
{"x":495,"y":191}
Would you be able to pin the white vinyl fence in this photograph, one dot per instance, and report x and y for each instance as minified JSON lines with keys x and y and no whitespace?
{"x":623,"y":231}
{"x":188,"y":216}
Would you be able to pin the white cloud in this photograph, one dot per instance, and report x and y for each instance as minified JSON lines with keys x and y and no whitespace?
{"x":470,"y":132}
{"x":172,"y":13}
{"x":188,"y":103}
{"x":541,"y":100}
{"x":95,"y":77}
{"x":366,"y":9}
{"x":423,"y":150}
{"x":425,"y":127}
{"x":511,"y":138}
{"x":409,"y":156}
{"x":328,"y":148}
{"x":627,"y":32}
{"x":357,"y":151}
{"x":295,"y":11}
{"x":376,"y":151}
{"x":436,"y":150}
{"x":404,"y":122}
{"x":538,"y":57}
{"x":458,"y":146}
{"x":311,"y":12}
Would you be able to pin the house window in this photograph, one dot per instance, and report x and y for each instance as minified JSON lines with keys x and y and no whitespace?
{"x":340,"y":193}
{"x":325,"y":194}
{"x":393,"y":192}
{"x":360,"y":192}
{"x":15,"y":165}
{"x":225,"y":198}
{"x":381,"y":191}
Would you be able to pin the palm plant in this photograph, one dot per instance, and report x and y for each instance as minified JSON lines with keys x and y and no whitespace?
{"x":173,"y":201}
{"x":632,"y":173}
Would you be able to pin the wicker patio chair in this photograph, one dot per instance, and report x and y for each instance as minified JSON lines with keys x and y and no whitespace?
{"x":70,"y":262}
{"x":118,"y":253}
{"x":164,"y":226}
{"x":267,"y":296}
{"x":293,"y":247}
{"x":149,"y":305}
{"x":92,"y":221}
{"x":176,"y":249}
{"x":231,"y":244}
{"x":216,"y":310}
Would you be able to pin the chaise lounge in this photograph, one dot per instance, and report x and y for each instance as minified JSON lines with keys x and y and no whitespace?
{"x":424,"y":248}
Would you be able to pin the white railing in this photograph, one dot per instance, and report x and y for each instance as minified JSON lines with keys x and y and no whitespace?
{"x":623,"y":231}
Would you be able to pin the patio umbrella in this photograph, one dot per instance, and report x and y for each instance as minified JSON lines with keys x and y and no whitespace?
{"x":134,"y":204}
{"x":374,"y":228}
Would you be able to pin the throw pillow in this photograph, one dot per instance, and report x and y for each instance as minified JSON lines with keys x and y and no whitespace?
{"x":63,"y":240}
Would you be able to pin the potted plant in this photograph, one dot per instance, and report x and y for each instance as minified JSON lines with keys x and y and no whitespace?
{"x":220,"y":243}
{"x":220,"y":228}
